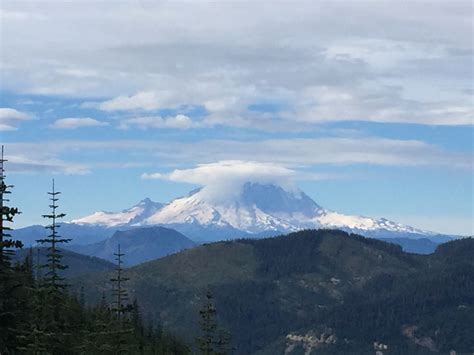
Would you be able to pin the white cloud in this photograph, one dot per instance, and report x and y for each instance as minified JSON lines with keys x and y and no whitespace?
{"x":77,"y":122}
{"x":300,"y":155}
{"x":146,"y":100}
{"x":313,"y":152}
{"x":325,"y":104}
{"x":224,"y":178}
{"x":226,"y":56}
{"x":227,"y":170}
{"x":177,"y":122}
{"x":288,"y":152}
{"x":9,"y":118}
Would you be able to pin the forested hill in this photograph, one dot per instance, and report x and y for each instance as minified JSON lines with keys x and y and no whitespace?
{"x":139,"y":244}
{"x":326,"y":291}
{"x":78,"y":264}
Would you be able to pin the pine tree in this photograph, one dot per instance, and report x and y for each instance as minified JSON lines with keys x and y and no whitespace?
{"x":137,"y":325}
{"x":51,"y":288}
{"x":33,"y":337}
{"x":52,"y":278}
{"x":99,"y":335}
{"x":8,"y":282}
{"x":207,"y":341}
{"x":213,"y":340}
{"x":7,"y":214}
{"x":120,"y":306}
{"x":224,"y":342}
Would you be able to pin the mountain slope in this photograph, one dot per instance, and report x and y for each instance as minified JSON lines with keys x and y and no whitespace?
{"x":138,"y":244}
{"x":254,"y":210}
{"x":132,"y":216}
{"x":78,"y":264}
{"x":274,"y":294}
{"x":80,"y":234}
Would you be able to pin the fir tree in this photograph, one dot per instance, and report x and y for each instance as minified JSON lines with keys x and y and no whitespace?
{"x":52,"y":278}
{"x":51,"y":288}
{"x":213,"y":340}
{"x":207,"y":341}
{"x":9,"y":284}
{"x":7,"y":215}
{"x":137,"y":325}
{"x":120,"y":306}
{"x":33,"y":336}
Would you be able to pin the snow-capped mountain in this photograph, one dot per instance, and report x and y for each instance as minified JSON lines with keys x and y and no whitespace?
{"x":256,"y":209}
{"x":132,"y":216}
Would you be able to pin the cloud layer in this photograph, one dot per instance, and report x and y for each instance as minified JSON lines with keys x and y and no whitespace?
{"x":304,"y":58}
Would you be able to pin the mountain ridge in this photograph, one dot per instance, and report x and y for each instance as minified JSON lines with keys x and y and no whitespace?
{"x":257,"y":209}
{"x":139,"y":244}
{"x":311,"y":283}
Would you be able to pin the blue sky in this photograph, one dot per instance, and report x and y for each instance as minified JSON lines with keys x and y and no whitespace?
{"x":368,"y":104}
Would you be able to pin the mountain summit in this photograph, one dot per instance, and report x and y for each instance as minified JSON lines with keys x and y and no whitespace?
{"x":253,"y":210}
{"x":133,"y":216}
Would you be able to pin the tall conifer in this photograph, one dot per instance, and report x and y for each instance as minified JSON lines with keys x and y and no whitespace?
{"x":8,"y":282}
{"x":51,"y":288}
{"x":213,"y":340}
{"x":52,"y":278}
{"x":120,"y":305}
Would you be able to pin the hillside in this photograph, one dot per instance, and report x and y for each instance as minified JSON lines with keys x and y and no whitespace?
{"x":325,"y":290}
{"x":78,"y":264}
{"x":139,"y":244}
{"x":80,"y":235}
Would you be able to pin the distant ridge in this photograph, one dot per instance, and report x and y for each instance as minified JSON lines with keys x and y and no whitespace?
{"x":78,"y":264}
{"x":138,"y":245}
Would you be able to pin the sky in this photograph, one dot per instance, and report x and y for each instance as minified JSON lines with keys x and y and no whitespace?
{"x":367,"y":106}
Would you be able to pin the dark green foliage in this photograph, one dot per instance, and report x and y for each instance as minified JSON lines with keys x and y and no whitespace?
{"x":49,"y":328}
{"x":38,"y":315}
{"x":213,"y":340}
{"x":53,"y":281}
{"x":207,"y":341}
{"x":120,"y":306}
{"x":10,"y":285}
{"x":461,"y":249}
{"x":78,"y":264}
{"x":314,"y":282}
{"x":78,"y":329}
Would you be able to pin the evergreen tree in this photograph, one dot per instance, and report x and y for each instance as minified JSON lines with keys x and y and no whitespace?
{"x":137,"y":325}
{"x":120,"y":306}
{"x":52,"y":278}
{"x":206,"y":342}
{"x":52,"y":288}
{"x":213,"y":339}
{"x":7,"y":244}
{"x":224,"y":340}
{"x":9,"y":284}
{"x":38,"y":316}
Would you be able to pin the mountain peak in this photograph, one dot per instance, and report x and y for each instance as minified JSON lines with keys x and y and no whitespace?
{"x":147,"y":202}
{"x":249,"y":207}
{"x":131,"y":216}
{"x":276,"y":198}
